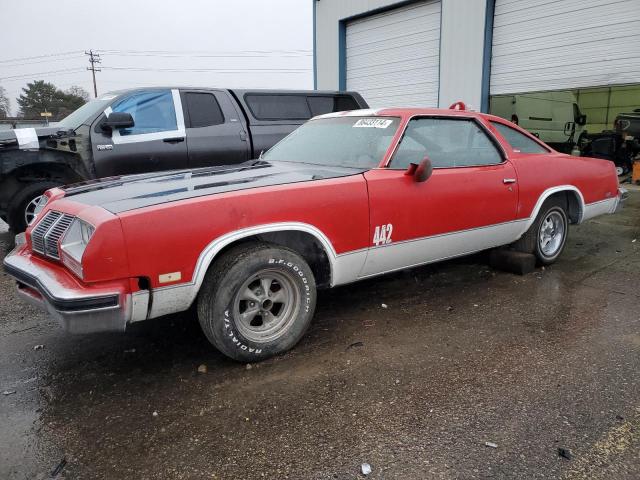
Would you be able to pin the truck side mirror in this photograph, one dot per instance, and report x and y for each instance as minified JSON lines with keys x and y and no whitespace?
{"x":421,"y":171}
{"x":116,"y":120}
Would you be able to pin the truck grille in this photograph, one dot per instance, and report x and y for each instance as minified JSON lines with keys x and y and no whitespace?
{"x":47,"y":233}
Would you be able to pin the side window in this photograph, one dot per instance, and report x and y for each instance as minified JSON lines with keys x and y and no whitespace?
{"x":320,"y":105}
{"x":152,"y":112}
{"x":519,"y":142}
{"x":447,"y":142}
{"x":203,"y":109}
{"x":278,"y":107}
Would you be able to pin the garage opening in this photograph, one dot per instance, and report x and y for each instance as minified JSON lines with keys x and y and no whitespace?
{"x":393,"y":58}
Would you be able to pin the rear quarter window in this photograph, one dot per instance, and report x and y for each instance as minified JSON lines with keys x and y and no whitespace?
{"x":519,"y":142}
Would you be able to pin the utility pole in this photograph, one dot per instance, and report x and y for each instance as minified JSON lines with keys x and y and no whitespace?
{"x":93,"y":59}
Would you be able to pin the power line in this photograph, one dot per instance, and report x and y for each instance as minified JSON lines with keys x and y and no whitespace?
{"x":217,"y":70}
{"x":42,"y":61}
{"x":187,"y":53}
{"x":51,"y":72}
{"x":93,"y":59}
{"x":20,"y":59}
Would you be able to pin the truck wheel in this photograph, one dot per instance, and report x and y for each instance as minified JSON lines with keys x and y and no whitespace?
{"x":21,"y":208}
{"x":257,"y":301}
{"x":547,"y":236}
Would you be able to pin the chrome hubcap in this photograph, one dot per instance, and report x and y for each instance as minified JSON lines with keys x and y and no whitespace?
{"x":551,"y":234}
{"x":266,"y":305}
{"x":30,"y":210}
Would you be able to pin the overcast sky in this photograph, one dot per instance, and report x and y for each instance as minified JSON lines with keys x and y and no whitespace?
{"x":233,"y":43}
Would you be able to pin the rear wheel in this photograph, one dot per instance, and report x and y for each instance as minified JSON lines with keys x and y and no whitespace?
{"x":547,"y":235}
{"x":21,"y":211}
{"x":257,"y":301}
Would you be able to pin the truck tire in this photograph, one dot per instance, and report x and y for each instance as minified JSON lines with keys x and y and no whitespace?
{"x":257,"y":301}
{"x":21,"y":206}
{"x":547,"y":235}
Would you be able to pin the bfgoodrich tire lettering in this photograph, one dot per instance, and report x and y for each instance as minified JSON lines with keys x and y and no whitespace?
{"x":257,"y":301}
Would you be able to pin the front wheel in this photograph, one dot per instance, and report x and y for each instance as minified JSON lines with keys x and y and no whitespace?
{"x":257,"y":301}
{"x":22,"y":208}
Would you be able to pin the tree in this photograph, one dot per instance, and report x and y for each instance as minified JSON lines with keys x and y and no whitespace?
{"x":80,"y":92}
{"x":40,"y":96}
{"x":5,"y":108}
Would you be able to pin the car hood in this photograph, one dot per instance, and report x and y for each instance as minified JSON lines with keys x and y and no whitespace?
{"x":120,"y":194}
{"x":30,"y":137}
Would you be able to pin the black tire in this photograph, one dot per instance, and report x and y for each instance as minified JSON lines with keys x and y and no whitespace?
{"x":531,"y":242}
{"x":223,"y":301}
{"x":18,"y":204}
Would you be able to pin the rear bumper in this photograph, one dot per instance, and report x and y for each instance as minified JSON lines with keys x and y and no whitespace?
{"x":623,"y":194}
{"x":77,"y":307}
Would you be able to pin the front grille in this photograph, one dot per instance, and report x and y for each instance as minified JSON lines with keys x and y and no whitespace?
{"x":45,"y":236}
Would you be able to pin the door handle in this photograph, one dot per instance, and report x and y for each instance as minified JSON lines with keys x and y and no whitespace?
{"x":508,"y":180}
{"x":173,"y":140}
{"x":243,"y":135}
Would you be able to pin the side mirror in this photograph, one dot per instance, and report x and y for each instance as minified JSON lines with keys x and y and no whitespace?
{"x":582,"y":120}
{"x":117,"y":120}
{"x":569,"y":128}
{"x":420,"y":172}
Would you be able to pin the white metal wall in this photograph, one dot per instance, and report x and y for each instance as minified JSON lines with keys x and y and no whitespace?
{"x":392,"y":58}
{"x":551,"y":45}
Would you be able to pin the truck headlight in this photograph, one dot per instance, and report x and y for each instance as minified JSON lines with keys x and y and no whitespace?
{"x":74,"y":243}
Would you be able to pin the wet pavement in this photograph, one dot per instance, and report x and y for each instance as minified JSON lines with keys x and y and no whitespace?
{"x":460,"y":356}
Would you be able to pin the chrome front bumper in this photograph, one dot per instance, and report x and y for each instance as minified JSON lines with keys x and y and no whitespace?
{"x":77,"y":309}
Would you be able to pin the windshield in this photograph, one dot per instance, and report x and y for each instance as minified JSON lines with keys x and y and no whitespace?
{"x":88,"y":110}
{"x":359,"y":142}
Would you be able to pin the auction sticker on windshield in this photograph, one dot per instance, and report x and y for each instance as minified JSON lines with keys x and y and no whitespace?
{"x":373,"y":123}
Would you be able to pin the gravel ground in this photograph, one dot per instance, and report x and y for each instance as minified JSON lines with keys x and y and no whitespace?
{"x":461,"y":355}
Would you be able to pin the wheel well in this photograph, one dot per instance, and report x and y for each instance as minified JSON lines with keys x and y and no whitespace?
{"x":572,"y":202}
{"x":305,"y":244}
{"x":35,"y":173}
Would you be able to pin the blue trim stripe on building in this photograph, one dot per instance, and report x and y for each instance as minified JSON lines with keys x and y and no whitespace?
{"x":486,"y":61}
{"x":315,"y":53}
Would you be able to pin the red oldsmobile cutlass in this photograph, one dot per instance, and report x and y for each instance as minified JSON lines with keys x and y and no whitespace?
{"x":346,"y":196}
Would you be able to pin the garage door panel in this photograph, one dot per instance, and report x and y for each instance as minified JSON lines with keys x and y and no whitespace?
{"x":381,"y":51}
{"x":395,"y":55}
{"x":543,"y":45}
{"x":422,"y":52}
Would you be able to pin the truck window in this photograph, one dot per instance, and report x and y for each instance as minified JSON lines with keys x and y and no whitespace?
{"x":320,"y":105}
{"x":278,"y":107}
{"x":203,"y":109}
{"x":152,"y":112}
{"x":519,"y":142}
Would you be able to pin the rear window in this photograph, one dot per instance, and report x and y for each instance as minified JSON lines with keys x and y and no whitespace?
{"x":297,"y":107}
{"x":203,"y":109}
{"x":322,"y":105}
{"x":278,"y":107}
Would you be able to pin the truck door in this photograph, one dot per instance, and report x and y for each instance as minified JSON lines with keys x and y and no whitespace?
{"x":216,"y":134}
{"x":155,"y":142}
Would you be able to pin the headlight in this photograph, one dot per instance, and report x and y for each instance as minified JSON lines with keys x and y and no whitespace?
{"x":74,"y":243}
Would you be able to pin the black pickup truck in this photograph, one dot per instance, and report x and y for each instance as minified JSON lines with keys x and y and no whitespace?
{"x":150,"y":129}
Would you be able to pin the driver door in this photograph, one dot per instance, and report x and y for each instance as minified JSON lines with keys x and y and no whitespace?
{"x":468,"y":204}
{"x":157,"y":141}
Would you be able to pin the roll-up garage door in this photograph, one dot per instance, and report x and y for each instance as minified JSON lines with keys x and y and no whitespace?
{"x":392,"y":58}
{"x":550,"y":45}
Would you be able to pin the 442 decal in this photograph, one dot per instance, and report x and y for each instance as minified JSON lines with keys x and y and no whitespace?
{"x":382,"y":234}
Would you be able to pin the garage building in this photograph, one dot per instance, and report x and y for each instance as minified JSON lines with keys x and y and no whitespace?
{"x":551,"y":60}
